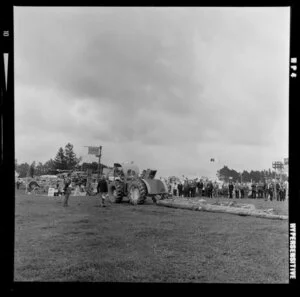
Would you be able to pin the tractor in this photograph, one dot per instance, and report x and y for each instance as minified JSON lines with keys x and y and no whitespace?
{"x":127,"y":181}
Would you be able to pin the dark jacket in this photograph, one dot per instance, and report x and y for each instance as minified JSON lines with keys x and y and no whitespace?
{"x":102,"y":186}
{"x":66,"y":187}
{"x":180,"y":186}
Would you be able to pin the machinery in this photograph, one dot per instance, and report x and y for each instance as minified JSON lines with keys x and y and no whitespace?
{"x":127,"y":181}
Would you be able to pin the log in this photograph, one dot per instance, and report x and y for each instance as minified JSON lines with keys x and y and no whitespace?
{"x":201,"y":206}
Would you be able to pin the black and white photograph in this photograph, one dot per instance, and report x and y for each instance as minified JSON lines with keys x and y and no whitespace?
{"x":152,"y":144}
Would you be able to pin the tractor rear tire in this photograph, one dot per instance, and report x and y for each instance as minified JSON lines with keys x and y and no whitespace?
{"x":137,"y":192}
{"x":116,"y":192}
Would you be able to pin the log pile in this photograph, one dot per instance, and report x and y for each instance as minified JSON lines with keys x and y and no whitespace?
{"x":225,"y":207}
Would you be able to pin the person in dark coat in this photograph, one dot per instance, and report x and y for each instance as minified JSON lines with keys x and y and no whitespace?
{"x":67,"y":190}
{"x":277,"y":189}
{"x":193,"y":188}
{"x":230,"y":188}
{"x":102,"y":190}
{"x":265,"y":191}
{"x":281,"y":192}
{"x":200,"y":187}
{"x":210,"y":189}
{"x":237,"y":190}
{"x":242,"y":187}
{"x":186,"y":188}
{"x":271,"y":191}
{"x":253,"y":186}
{"x":180,"y":187}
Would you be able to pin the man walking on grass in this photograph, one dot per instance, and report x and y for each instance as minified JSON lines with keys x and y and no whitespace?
{"x":67,"y":190}
{"x":102,"y":190}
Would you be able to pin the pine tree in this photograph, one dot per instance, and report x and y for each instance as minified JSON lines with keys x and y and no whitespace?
{"x":60,"y":160}
{"x":39,"y":170}
{"x":23,"y":169}
{"x":70,"y":156}
{"x":49,"y":167}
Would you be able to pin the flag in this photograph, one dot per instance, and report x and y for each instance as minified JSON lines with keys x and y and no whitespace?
{"x":93,"y":150}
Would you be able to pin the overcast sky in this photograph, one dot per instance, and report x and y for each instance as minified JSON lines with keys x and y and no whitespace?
{"x":167,"y":88}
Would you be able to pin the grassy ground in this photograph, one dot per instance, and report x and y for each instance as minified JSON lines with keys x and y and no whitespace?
{"x":145,"y":243}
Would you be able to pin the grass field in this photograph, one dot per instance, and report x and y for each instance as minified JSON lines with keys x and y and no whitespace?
{"x":146,"y":243}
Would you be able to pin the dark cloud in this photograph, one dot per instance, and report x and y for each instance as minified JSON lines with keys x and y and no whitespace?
{"x":118,"y":56}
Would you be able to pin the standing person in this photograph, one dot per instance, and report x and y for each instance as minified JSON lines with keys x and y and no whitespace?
{"x":265,"y":189}
{"x":180,"y":189}
{"x":237,"y":190}
{"x":267,"y":194}
{"x":216,"y":189}
{"x":258,"y":190}
{"x":187,"y":188}
{"x":230,"y":188}
{"x":277,"y":189}
{"x":284,"y":190}
{"x":102,"y":190}
{"x":193,"y":188}
{"x":57,"y":191}
{"x":242,"y":190}
{"x":261,"y":190}
{"x":175,"y":188}
{"x":67,"y":190}
{"x":225,"y":190}
{"x":18,"y":184}
{"x":286,"y":183}
{"x":169,"y":187}
{"x":210,"y":189}
{"x":184,"y":189}
{"x":249,"y":190}
{"x":281,"y":192}
{"x":205,"y":188}
{"x":253,"y":186}
{"x":271,"y":190}
{"x":200,"y":187}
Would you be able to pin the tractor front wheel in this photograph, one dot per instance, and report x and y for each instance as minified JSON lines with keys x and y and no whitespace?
{"x":137,"y":192}
{"x":116,"y":192}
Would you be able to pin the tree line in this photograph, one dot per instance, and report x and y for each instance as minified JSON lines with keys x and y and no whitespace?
{"x":227,"y":174}
{"x":65,"y":159}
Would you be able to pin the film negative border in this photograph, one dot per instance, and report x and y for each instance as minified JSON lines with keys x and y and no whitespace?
{"x":7,"y":153}
{"x":7,"y":136}
{"x":294,"y":176}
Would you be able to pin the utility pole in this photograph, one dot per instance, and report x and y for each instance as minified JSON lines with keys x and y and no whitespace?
{"x":99,"y":164}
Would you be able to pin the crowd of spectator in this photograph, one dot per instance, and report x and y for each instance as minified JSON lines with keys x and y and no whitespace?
{"x":270,"y":190}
